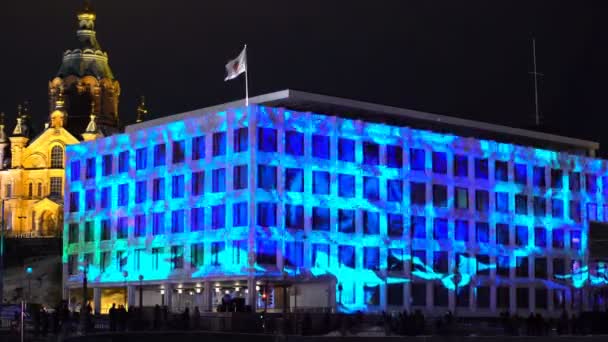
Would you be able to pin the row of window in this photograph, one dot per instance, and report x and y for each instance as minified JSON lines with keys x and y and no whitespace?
{"x":56,"y":188}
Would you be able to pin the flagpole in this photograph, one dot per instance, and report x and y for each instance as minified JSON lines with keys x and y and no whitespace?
{"x":246,"y":79}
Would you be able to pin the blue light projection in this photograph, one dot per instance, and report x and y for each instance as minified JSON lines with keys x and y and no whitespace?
{"x":318,"y":197}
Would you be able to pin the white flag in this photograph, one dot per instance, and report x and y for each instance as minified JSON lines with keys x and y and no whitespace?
{"x":236,"y":66}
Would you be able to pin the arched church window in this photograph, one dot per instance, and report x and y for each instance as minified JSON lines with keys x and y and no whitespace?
{"x":30,"y":190}
{"x":57,"y":157}
{"x":39,"y":189}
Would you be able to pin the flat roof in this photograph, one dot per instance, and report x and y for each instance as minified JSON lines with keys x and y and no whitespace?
{"x":329,"y":105}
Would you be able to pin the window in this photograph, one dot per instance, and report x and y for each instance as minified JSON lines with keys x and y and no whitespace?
{"x":481,"y":168}
{"x":522,"y":267}
{"x":140,"y":191}
{"x":158,"y":223}
{"x":418,"y":227}
{"x":219,"y":144}
{"x":266,"y":252}
{"x":538,"y":176}
{"x":177,"y":186}
{"x":346,"y":150}
{"x":395,"y":260}
{"x":89,"y":231}
{"x":320,"y":255}
{"x":483,"y":265}
{"x":74,"y":199}
{"x":482,"y":231}
{"x":503,"y":295}
{"x":440,"y":162}
{"x":440,"y":295}
{"x":575,"y":181}
{"x":75,"y":171}
{"x":241,"y":139}
{"x":559,"y":268}
{"x":179,"y":152}
{"x":267,"y":139}
{"x":56,"y":186}
{"x":371,"y":294}
{"x":418,"y":294}
{"x":521,"y":174}
{"x":320,"y":218}
{"x":462,"y":198}
{"x":123,"y":162}
{"x":197,"y":219}
{"x":418,"y":262}
{"x":463,"y":297}
{"x":177,"y":257}
{"x":198,"y":148}
{"x":104,"y":261}
{"x":591,"y":183}
{"x":502,"y":266}
{"x":502,"y":234}
{"x":138,"y":253}
{"x":521,"y":204}
{"x":440,"y":196}
{"x":267,"y":177}
{"x":417,"y":193}
{"x":122,"y":227}
{"x":140,"y":158}
{"x":522,"y":296}
{"x":461,"y":166}
{"x":89,"y":199}
{"x":394,"y":156}
{"x":417,"y":159}
{"x":371,"y":258}
{"x":591,"y":211}
{"x":540,"y":268}
{"x":160,"y":155}
{"x":320,"y":146}
{"x":122,"y":260}
{"x":502,"y":202}
{"x":346,"y":185}
{"x":521,"y":236}
{"x":540,"y":237}
{"x":140,"y":225}
{"x":72,"y":264}
{"x":73,"y":233}
{"x":440,"y":261}
{"x":294,"y":253}
{"x":294,"y":180}
{"x":198,"y":183}
{"x":40,"y":191}
{"x":540,"y":206}
{"x":90,"y":172}
{"x":158,"y":189}
{"x":197,"y":254}
{"x":557,"y":208}
{"x":346,"y":256}
{"x":219,"y":180}
{"x":440,"y":228}
{"x":394,"y":294}
{"x":218,"y":216}
{"x":371,"y":188}
{"x":575,"y":239}
{"x":461,"y":230}
{"x":371,"y":153}
{"x":501,"y":171}
{"x":394,"y":190}
{"x":575,"y":211}
{"x":123,"y":194}
{"x":106,"y":230}
{"x":294,"y":143}
{"x":320,"y":182}
{"x":267,"y":214}
{"x":239,"y":214}
{"x":57,"y":157}
{"x":177,"y":221}
{"x":294,"y":216}
{"x":371,"y":222}
{"x":557,"y":181}
{"x":106,"y":165}
{"x":346,"y":221}
{"x":558,"y":238}
{"x":156,"y":252}
{"x":541,"y":296}
{"x":482,"y":200}
{"x":395,"y":225}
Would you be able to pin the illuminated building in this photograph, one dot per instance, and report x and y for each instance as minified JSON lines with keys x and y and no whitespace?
{"x":32,"y":164}
{"x":361,"y":206}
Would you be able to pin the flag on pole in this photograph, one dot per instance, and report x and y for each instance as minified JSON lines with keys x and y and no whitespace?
{"x":237,"y":66}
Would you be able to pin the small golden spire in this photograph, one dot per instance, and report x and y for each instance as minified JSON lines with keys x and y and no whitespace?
{"x":142,"y":111}
{"x":60,"y":101}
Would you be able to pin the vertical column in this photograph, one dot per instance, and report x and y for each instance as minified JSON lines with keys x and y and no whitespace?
{"x":252,"y":294}
{"x":168,"y":296}
{"x":131,"y":296}
{"x":97,"y":300}
{"x":208,"y":296}
{"x":331,"y":295}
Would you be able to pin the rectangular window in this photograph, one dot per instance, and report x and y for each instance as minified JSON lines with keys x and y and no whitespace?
{"x":394,"y":190}
{"x":197,"y":219}
{"x":89,"y":199}
{"x":503,"y":296}
{"x":371,"y":188}
{"x":501,"y":171}
{"x":294,"y":253}
{"x":294,"y":180}
{"x":418,"y":227}
{"x":540,"y":206}
{"x":557,"y":208}
{"x":140,"y":225}
{"x":591,"y":183}
{"x":395,"y":225}
{"x":417,"y":159}
{"x":106,"y":194}
{"x":160,"y":155}
{"x":177,"y":257}
{"x":56,"y":186}
{"x":591,"y":211}
{"x":122,"y":260}
{"x":502,"y":234}
{"x":394,"y":156}
{"x":267,"y":214}
{"x":158,"y":189}
{"x":440,"y":295}
{"x":417,"y":193}
{"x":481,"y":168}
{"x":267,"y":177}
{"x":522,"y":269}
{"x":239,"y":214}
{"x":267,"y":139}
{"x":394,"y":262}
{"x":320,"y":146}
{"x":540,"y":237}
{"x":418,"y":296}
{"x":138,"y":253}
{"x":219,"y":144}
{"x":320,"y":183}
{"x":74,"y":199}
{"x":123,"y":162}
{"x":371,"y":153}
{"x":197,"y":254}
{"x":461,"y":166}
{"x":218,"y":216}
{"x":177,"y":186}
{"x":557,"y":179}
{"x":482,"y":200}
{"x":440,"y":162}
{"x":72,"y":264}
{"x":179,"y":152}
{"x":575,"y":211}
{"x":123,"y":195}
{"x":266,"y":252}
{"x":541,"y":296}
{"x":462,"y":198}
{"x":122,"y":228}
{"x":156,"y":252}
{"x":418,"y":262}
{"x":75,"y":171}
{"x":522,"y":297}
{"x":320,"y":218}
{"x":394,"y":294}
{"x":538,"y":176}
{"x":140,"y":191}
{"x":104,"y":261}
{"x":575,"y":239}
{"x":346,"y":185}
{"x":346,"y":256}
{"x":240,"y":177}
{"x":90,"y":171}
{"x":440,"y":196}
{"x":294,"y":143}
{"x":106,"y":230}
{"x":89,"y":231}
{"x":241,"y":139}
{"x":73,"y":233}
{"x":575,"y":181}
{"x":521,"y":174}
{"x":521,"y":204}
{"x":106,"y":165}
{"x":440,"y":262}
{"x":198,"y":183}
{"x":371,"y":258}
{"x":198,"y":148}
{"x":294,"y":216}
{"x":559,"y":268}
{"x":177,"y":221}
{"x":141,"y":158}
{"x":483,"y":265}
{"x":320,"y":255}
{"x":502,"y":202}
{"x":346,"y":150}
{"x":346,"y":221}
{"x":557,"y":236}
{"x":540,"y":268}
{"x":482,"y":231}
{"x":158,"y":223}
{"x":218,"y":180}
{"x":440,"y":229}
{"x":461,"y":230}
{"x":371,"y":222}
{"x":521,"y":236}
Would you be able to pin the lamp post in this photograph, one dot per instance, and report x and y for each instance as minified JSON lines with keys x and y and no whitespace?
{"x":28,"y":275}
{"x":84,"y":308}
{"x":141,"y":292}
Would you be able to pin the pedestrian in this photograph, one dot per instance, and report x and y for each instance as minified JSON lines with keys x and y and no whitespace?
{"x":113,"y":317}
{"x":157,"y":313}
{"x":186,"y":319}
{"x":196,"y":318}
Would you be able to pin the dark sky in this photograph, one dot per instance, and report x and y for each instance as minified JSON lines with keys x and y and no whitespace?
{"x":462,"y":58}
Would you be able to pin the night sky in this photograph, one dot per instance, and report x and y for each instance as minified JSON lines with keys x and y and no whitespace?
{"x":461,"y":58}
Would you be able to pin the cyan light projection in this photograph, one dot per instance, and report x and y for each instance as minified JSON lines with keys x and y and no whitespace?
{"x":267,"y":192}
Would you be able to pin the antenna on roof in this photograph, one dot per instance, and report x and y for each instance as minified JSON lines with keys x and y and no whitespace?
{"x":536,"y":75}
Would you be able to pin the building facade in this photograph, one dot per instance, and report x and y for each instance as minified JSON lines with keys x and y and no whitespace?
{"x":283,"y":207}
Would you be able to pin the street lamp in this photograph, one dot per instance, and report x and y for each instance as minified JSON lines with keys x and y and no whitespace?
{"x":28,"y":275}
